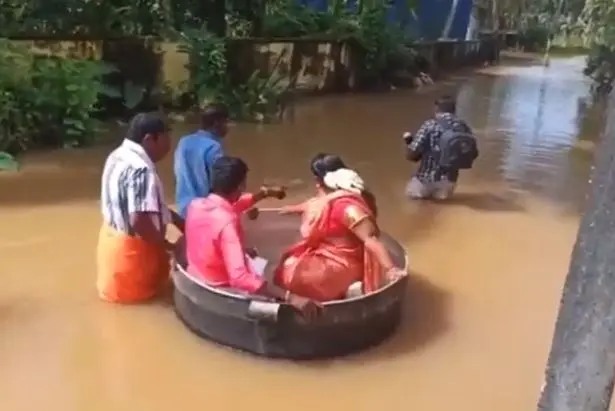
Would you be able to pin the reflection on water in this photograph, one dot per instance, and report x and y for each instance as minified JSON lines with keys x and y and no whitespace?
{"x":483,"y":295}
{"x":535,"y":117}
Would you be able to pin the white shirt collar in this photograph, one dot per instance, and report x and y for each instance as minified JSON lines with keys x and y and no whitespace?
{"x":136,"y":154}
{"x":138,"y":150}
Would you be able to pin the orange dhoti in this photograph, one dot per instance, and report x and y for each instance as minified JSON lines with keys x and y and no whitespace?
{"x":130,"y":269}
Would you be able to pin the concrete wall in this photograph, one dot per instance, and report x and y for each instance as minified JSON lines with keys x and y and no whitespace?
{"x":302,"y":64}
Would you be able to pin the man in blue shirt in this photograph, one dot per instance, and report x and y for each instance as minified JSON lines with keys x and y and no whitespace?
{"x":195,"y":155}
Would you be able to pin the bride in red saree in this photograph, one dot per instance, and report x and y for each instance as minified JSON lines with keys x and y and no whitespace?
{"x":340,"y":244}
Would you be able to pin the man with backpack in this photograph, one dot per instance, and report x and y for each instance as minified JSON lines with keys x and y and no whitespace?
{"x":444,"y":145}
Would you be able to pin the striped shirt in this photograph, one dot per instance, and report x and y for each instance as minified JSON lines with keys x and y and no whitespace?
{"x":130,"y":184}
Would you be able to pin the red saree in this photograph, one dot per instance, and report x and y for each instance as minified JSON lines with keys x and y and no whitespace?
{"x":330,"y":257}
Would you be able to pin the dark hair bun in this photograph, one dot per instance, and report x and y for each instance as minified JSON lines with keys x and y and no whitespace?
{"x":323,"y":163}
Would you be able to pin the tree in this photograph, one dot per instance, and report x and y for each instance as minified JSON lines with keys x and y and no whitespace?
{"x":599,"y":20}
{"x":599,"y":17}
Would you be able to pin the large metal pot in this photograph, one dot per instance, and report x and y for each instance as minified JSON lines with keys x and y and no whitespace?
{"x":273,"y":329}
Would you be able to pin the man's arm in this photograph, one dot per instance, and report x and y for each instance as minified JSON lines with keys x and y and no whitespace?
{"x":240,"y":273}
{"x":245,"y":202}
{"x":417,"y":147}
{"x":177,"y":220}
{"x":214,"y":153}
{"x":144,"y":207}
{"x":249,"y":200}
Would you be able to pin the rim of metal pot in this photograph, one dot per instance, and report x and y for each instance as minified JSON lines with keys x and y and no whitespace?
{"x":226,"y":293}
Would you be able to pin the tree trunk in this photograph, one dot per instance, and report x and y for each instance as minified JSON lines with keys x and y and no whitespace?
{"x":581,"y":366}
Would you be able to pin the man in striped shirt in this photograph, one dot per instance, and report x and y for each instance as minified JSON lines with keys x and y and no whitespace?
{"x":133,"y":260}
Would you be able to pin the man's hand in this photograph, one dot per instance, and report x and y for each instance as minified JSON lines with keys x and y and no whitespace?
{"x":407,"y":137}
{"x":252,"y":213}
{"x":278,"y":192}
{"x":177,"y":220}
{"x":169,"y":246}
{"x":252,"y":252}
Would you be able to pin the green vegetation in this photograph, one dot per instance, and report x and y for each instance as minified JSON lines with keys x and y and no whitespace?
{"x":379,"y":50}
{"x":581,"y":25}
{"x":54,"y":100}
{"x":533,"y":32}
{"x":47,"y":100}
{"x":599,"y":19}
{"x":256,"y":98}
{"x":548,"y":23}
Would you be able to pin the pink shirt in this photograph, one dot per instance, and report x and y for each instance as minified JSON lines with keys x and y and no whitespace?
{"x":214,"y":243}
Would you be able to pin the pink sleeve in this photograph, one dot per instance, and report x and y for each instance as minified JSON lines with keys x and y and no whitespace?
{"x":240,"y":273}
{"x":244,"y":203}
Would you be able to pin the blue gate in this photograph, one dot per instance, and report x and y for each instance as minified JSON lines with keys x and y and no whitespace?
{"x":433,"y":15}
{"x":427,"y":23}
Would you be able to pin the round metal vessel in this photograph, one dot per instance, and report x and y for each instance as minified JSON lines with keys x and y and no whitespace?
{"x":272,"y":329}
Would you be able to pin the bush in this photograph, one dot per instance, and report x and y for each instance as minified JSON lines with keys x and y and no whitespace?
{"x":257,"y":98}
{"x":533,"y":38}
{"x":291,"y":19}
{"x":600,"y":67}
{"x":46,"y":101}
{"x":380,"y":45}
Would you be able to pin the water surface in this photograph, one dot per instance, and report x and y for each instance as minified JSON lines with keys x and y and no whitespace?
{"x":488,"y":266}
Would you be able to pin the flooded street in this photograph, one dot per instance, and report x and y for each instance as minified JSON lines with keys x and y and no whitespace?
{"x":488,"y":266}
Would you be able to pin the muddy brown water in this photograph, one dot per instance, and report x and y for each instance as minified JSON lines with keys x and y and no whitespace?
{"x":488,"y":266}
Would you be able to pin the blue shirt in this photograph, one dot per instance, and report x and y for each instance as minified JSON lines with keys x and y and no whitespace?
{"x":194,"y":157}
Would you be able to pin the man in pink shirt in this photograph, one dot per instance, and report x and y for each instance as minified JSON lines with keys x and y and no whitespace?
{"x":214,"y":238}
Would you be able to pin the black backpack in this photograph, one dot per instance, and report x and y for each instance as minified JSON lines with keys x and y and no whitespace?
{"x":458,"y":147}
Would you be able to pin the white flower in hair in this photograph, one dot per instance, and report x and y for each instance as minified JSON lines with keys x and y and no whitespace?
{"x":344,"y":179}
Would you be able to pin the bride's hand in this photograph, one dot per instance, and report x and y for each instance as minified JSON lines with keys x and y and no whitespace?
{"x":285,"y":210}
{"x":291,"y":209}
